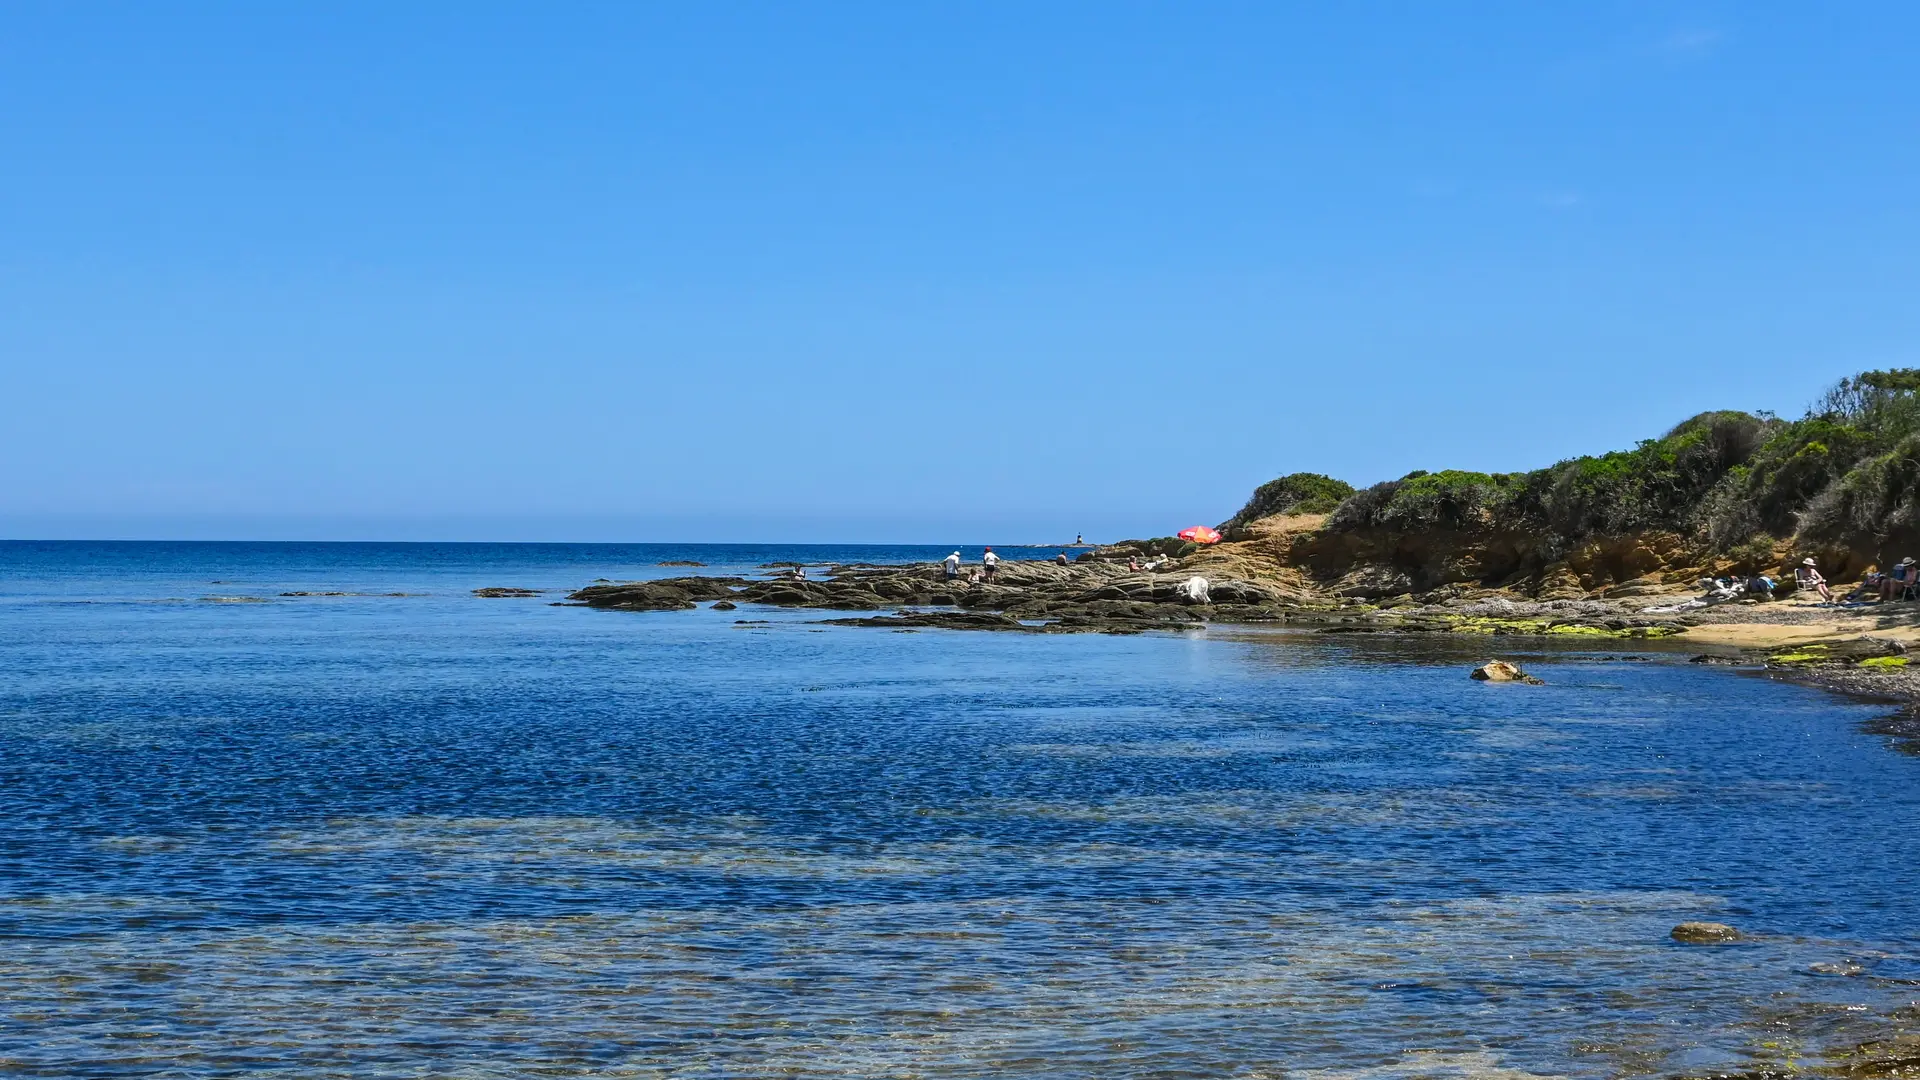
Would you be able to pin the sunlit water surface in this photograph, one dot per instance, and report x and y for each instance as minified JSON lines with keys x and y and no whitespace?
{"x":428,"y":834}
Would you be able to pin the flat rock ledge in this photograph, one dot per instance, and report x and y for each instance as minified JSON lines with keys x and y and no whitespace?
{"x":1025,"y":598}
{"x":1105,"y":597}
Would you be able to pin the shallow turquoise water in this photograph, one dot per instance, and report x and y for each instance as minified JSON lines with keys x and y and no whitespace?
{"x":428,"y":834}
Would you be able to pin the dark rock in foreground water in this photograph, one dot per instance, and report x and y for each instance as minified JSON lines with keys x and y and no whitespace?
{"x":496,"y":592}
{"x":1501,"y":671}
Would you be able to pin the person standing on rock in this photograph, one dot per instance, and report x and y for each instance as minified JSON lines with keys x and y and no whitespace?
{"x":991,"y":563}
{"x":952,"y":563}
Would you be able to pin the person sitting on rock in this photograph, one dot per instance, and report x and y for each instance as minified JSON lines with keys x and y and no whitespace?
{"x":953,"y":566}
{"x":1133,"y":563}
{"x":1061,"y":558}
{"x":991,"y":563}
{"x":1806,"y":577}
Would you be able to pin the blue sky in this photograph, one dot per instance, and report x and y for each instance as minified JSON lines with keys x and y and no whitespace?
{"x":910,"y":272}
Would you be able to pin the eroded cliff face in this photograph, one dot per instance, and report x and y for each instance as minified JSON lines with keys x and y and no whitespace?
{"x":1301,"y":554}
{"x":1375,"y":563}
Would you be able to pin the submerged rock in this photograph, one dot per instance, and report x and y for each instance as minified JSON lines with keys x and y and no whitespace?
{"x":945,"y":620}
{"x":495,"y":592}
{"x":724,"y":605}
{"x":1501,"y":671}
{"x":1704,"y":933}
{"x":1837,"y":969}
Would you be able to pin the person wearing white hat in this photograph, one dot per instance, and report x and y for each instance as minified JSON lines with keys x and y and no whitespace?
{"x":953,"y":566}
{"x":1895,"y":583}
{"x":1806,"y":577}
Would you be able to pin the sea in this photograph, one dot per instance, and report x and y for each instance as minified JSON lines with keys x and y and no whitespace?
{"x":317,"y":810}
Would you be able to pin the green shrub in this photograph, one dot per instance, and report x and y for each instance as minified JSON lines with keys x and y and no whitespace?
{"x":1295,"y":493}
{"x":1660,"y":484}
{"x":1450,"y":499}
{"x":1876,"y":501}
{"x":1801,"y":460}
{"x":1886,"y":404}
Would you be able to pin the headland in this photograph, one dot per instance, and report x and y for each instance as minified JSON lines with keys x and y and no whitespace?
{"x":1705,"y":535}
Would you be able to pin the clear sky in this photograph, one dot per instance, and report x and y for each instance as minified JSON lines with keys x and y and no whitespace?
{"x":911,"y":271}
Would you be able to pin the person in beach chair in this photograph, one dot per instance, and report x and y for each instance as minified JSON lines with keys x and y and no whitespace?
{"x":1902,"y":582}
{"x":1806,"y":577}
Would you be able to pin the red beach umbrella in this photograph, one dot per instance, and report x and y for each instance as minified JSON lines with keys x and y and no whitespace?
{"x":1199,"y":534}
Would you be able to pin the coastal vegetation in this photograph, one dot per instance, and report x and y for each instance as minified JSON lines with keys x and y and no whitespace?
{"x":1295,"y":493}
{"x":1726,"y":488}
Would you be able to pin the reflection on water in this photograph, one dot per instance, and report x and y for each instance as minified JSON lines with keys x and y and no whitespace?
{"x":496,"y":839}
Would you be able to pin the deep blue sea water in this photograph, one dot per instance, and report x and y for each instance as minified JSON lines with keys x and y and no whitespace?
{"x":411,"y":832}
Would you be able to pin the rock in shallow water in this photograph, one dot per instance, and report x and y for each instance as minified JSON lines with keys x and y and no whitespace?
{"x":1501,"y":671}
{"x":1704,"y":933}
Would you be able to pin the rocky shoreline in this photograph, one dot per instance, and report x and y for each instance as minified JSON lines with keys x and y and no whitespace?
{"x":1858,"y":652}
